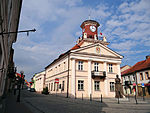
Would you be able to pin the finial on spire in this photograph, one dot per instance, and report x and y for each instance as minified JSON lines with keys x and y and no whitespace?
{"x":89,"y":17}
{"x":90,"y":14}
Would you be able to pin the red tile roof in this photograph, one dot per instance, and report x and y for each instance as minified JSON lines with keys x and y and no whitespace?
{"x":123,"y":66}
{"x":73,"y":48}
{"x":142,"y":65}
{"x":77,"y":45}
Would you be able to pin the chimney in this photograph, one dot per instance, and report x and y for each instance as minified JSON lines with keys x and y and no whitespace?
{"x":148,"y":56}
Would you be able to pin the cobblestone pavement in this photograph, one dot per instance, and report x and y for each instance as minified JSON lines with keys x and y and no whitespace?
{"x":39,"y":103}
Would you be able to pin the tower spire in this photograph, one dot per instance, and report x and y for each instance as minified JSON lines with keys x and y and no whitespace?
{"x":90,"y":14}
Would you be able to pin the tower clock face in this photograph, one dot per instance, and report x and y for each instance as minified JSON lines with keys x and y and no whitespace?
{"x":93,"y":28}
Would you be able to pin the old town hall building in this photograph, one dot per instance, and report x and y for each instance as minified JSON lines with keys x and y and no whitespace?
{"x":89,"y":68}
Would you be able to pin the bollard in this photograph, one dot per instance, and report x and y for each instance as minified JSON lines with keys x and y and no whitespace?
{"x":90,"y":97}
{"x":136,"y":100}
{"x":118,"y":100}
{"x":118,"y":96}
{"x":101,"y":99}
{"x":75,"y":96}
{"x":143,"y":98}
{"x":128,"y":97}
{"x":82,"y":96}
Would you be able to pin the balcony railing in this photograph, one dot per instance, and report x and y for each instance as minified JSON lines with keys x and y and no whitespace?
{"x":101,"y":74}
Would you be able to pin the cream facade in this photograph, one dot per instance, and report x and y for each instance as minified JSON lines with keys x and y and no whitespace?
{"x":9,"y":21}
{"x":88,"y":69}
{"x":39,"y":81}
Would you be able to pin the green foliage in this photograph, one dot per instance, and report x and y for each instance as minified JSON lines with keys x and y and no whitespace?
{"x":45,"y":91}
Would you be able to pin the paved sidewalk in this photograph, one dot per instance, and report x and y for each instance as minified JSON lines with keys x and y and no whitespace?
{"x":11,"y":106}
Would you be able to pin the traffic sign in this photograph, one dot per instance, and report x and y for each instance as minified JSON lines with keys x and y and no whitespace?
{"x":142,"y":85}
{"x":57,"y":80}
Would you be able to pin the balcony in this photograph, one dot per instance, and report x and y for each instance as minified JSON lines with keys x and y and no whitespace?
{"x":101,"y":74}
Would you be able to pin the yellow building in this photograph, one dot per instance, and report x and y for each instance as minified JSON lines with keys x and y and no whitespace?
{"x":89,"y":68}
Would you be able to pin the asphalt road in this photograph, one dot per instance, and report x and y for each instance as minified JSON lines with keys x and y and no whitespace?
{"x":38,"y":103}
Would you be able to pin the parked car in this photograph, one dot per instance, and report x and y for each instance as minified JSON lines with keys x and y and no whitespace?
{"x":32,"y":90}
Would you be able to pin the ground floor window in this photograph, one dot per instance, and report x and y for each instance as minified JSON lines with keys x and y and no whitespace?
{"x":112,"y":86}
{"x":51,"y":86}
{"x":63,"y":84}
{"x":57,"y":86}
{"x":80,"y":85}
{"x":54,"y":86}
{"x":96,"y":85}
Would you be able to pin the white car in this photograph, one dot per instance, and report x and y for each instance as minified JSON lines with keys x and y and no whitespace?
{"x":28,"y":89}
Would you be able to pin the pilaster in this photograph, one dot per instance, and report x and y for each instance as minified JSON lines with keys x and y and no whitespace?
{"x":73,"y":78}
{"x":89,"y":77}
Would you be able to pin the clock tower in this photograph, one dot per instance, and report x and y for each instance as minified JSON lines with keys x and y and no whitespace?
{"x":89,"y":29}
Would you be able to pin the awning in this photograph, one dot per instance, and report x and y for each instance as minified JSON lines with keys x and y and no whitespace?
{"x":148,"y":84}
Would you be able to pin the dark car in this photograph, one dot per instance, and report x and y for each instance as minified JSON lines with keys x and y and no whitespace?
{"x":32,"y":90}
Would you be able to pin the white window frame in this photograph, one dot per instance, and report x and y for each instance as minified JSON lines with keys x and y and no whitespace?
{"x":110,"y":68}
{"x":80,"y":65}
{"x":96,"y":64}
{"x":80,"y":85}
{"x":112,"y":86}
{"x":64,"y":66}
{"x":97,"y":85}
{"x":63,"y":85}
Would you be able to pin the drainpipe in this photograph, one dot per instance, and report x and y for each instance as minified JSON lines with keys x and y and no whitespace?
{"x":68,"y":75}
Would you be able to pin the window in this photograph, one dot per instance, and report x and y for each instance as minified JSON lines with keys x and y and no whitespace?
{"x":55,"y":70}
{"x":59,"y":68}
{"x":80,"y":65}
{"x":96,"y":85}
{"x":64,"y":65}
{"x":112,"y":86}
{"x":48,"y":87}
{"x":133,"y":77}
{"x":0,"y":53}
{"x":54,"y":86}
{"x":141,"y":76}
{"x":128,"y":78}
{"x":110,"y":68}
{"x":146,"y":75}
{"x":96,"y":66}
{"x":51,"y":86}
{"x":57,"y":86}
{"x":80,"y":85}
{"x":63,"y":84}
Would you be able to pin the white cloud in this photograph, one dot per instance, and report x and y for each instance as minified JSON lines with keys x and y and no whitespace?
{"x":58,"y":27}
{"x":127,"y":45}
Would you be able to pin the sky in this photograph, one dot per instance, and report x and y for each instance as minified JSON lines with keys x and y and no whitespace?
{"x":125,"y":23}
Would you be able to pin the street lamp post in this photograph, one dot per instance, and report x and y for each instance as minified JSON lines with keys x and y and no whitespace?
{"x":20,"y":79}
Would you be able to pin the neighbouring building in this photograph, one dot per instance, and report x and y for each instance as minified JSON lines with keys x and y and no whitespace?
{"x":127,"y":86}
{"x":9,"y":22}
{"x":39,"y":81}
{"x":123,"y":68}
{"x":137,"y":78}
{"x":87,"y":69}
